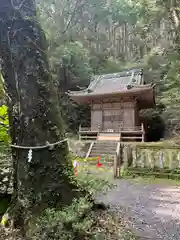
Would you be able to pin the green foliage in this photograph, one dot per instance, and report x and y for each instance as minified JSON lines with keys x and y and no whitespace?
{"x":93,"y":184}
{"x":70,"y":64}
{"x":92,"y":37}
{"x":172,"y":93}
{"x":73,"y":222}
{"x":79,"y":220}
{"x":73,"y":114}
{"x":154,"y":122}
{"x":67,"y":223}
{"x":108,"y":65}
{"x":71,"y":60}
{"x":124,"y":11}
{"x":4,"y":125}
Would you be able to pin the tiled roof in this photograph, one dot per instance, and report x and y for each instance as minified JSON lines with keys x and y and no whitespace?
{"x":115,"y":82}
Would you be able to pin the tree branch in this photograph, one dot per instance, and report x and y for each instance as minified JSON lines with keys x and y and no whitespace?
{"x":18,"y":7}
{"x":76,"y":9}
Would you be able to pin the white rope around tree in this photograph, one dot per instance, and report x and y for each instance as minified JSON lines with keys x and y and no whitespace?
{"x":48,"y":145}
{"x":30,"y":148}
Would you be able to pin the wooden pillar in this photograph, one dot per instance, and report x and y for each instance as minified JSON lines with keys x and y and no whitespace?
{"x":115,"y":166}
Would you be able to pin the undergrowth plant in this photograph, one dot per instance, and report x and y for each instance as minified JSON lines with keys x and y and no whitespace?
{"x":73,"y":222}
{"x":69,"y":223}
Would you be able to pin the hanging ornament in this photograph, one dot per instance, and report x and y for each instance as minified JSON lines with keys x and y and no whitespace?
{"x":29,"y":155}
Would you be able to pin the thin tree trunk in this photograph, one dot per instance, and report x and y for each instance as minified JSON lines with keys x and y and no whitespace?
{"x":33,"y":111}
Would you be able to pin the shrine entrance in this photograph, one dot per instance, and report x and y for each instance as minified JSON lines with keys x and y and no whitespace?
{"x":112,"y":120}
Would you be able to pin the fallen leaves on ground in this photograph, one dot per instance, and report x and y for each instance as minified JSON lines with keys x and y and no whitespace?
{"x":109,"y":226}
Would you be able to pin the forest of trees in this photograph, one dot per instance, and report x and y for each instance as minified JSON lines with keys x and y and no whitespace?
{"x":92,"y":37}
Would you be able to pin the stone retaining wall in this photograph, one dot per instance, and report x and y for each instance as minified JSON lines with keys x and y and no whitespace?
{"x":149,"y":158}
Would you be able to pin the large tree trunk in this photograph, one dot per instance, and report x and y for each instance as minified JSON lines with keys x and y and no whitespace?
{"x":33,"y":110}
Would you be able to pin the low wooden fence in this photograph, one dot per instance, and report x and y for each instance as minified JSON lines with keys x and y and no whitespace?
{"x":157,"y":159}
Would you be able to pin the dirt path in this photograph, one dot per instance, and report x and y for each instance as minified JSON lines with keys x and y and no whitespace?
{"x":151,"y":210}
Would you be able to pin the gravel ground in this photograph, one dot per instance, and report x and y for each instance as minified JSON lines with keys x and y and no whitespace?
{"x":152,"y":211}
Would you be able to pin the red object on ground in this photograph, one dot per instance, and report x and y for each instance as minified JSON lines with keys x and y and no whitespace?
{"x":75,"y":164}
{"x":99,"y":164}
{"x":75,"y":171}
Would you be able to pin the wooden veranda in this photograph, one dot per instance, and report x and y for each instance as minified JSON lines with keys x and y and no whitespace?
{"x":123,"y":134}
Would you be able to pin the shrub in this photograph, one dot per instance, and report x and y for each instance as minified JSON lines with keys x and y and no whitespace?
{"x":69,"y":223}
{"x":72,"y":222}
{"x":4,"y":125}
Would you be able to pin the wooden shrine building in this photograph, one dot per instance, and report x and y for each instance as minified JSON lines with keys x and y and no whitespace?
{"x":115,"y":101}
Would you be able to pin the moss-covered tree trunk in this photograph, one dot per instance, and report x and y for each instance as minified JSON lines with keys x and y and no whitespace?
{"x":33,"y":110}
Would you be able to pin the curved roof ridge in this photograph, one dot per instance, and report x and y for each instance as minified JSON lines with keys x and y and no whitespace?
{"x":113,"y":82}
{"x":94,"y":82}
{"x":124,"y":73}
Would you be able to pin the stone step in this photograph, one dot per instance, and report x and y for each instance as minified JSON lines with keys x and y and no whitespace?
{"x":102,"y":153}
{"x":105,"y":145}
{"x":96,"y":155}
{"x":104,"y":148}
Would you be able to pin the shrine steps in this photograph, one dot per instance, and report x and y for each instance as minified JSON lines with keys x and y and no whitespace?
{"x":99,"y":148}
{"x":106,"y":143}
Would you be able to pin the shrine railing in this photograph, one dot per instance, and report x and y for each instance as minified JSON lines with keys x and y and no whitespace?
{"x":114,"y":130}
{"x":88,"y":129}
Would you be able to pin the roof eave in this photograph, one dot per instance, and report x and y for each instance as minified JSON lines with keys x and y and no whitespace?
{"x":122,"y":92}
{"x":149,"y":99}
